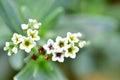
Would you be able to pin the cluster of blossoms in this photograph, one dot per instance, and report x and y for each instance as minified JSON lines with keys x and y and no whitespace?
{"x":64,"y":47}
{"x":26,"y":42}
{"x":58,"y":50}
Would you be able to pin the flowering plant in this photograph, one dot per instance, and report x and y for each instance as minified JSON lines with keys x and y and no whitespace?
{"x":56,"y":50}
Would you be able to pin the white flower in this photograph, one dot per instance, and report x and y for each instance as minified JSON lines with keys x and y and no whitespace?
{"x":24,"y":26}
{"x":8,"y":48}
{"x":81,"y":44}
{"x":9,"y":53}
{"x":58,"y":55}
{"x":15,"y":50}
{"x":5,"y":48}
{"x":7,"y":44}
{"x":33,"y":34}
{"x":78,"y":35}
{"x":49,"y":47}
{"x":32,"y":20}
{"x":36,"y":26}
{"x":71,"y":51}
{"x":16,"y":38}
{"x":72,"y":37}
{"x":27,"y":44}
{"x":61,"y":43}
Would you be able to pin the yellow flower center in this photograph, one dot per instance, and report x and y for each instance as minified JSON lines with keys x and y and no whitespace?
{"x":27,"y":43}
{"x":70,"y":50}
{"x":61,"y":44}
{"x":32,"y":35}
{"x":17,"y":39}
{"x":72,"y":38}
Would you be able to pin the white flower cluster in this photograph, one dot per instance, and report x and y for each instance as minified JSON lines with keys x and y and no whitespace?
{"x":64,"y":47}
{"x":24,"y":42}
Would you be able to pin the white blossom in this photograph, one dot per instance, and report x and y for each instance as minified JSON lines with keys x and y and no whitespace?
{"x":49,"y":47}
{"x":61,"y":43}
{"x":33,"y":34}
{"x":24,"y":26}
{"x":5,"y":48}
{"x":58,"y":55}
{"x":27,"y":44}
{"x":78,"y":35}
{"x":36,"y":26}
{"x":81,"y":44}
{"x":8,"y":48}
{"x":32,"y":20}
{"x":72,"y":37}
{"x":15,"y":50}
{"x":7,"y":45}
{"x":9,"y":53}
{"x":71,"y":51}
{"x":16,"y":38}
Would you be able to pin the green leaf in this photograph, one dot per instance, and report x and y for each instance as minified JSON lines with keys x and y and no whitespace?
{"x":16,"y":12}
{"x":40,"y":70}
{"x":5,"y":33}
{"x":49,"y":20}
{"x":10,"y":15}
{"x":85,"y":23}
{"x":17,"y":60}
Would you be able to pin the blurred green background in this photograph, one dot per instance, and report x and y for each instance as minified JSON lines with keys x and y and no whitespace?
{"x":98,"y":20}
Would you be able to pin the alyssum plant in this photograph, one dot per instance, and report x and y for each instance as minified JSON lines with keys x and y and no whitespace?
{"x":62,"y":47}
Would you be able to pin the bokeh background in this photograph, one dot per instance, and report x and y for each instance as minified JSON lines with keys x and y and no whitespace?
{"x":98,"y":20}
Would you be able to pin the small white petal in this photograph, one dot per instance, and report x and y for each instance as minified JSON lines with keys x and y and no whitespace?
{"x":32,"y":21}
{"x":5,"y":48}
{"x":9,"y":53}
{"x":15,"y":50}
{"x":66,"y":54}
{"x":76,"y":49}
{"x":40,"y":24}
{"x":58,"y":38}
{"x":50,"y":41}
{"x":78,"y":34}
{"x":27,"y":50}
{"x":73,"y":56}
{"x":82,"y":44}
{"x":37,"y":38}
{"x":24,"y":26}
{"x":68,"y":33}
{"x":36,"y":26}
{"x":21,"y":46}
{"x":61,"y":59}
{"x":7,"y":44}
{"x":54,"y":58}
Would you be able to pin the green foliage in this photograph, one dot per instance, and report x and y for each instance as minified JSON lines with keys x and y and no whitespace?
{"x":16,"y":12}
{"x":40,"y":70}
{"x":102,"y":31}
